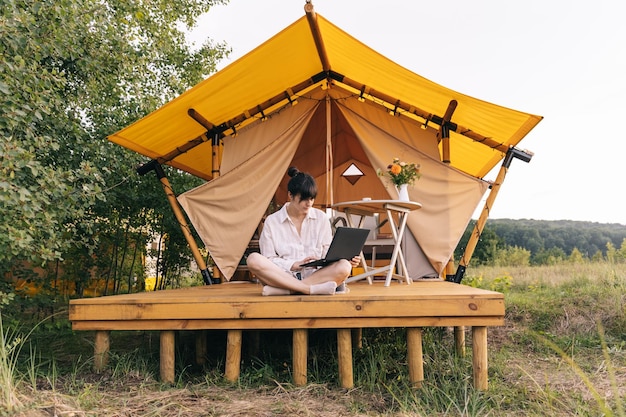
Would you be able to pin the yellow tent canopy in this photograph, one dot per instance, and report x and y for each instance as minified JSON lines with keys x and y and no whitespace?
{"x":310,"y":52}
{"x":315,"y":97}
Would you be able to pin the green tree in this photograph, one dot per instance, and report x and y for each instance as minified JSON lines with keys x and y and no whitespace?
{"x":621,"y":253}
{"x":576,"y":257}
{"x":72,"y":72}
{"x":550,"y":256}
{"x":611,"y":252}
{"x":512,"y":256}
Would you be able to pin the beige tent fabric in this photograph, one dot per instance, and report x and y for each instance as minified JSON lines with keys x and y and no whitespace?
{"x":448,"y":196}
{"x":226,"y":211}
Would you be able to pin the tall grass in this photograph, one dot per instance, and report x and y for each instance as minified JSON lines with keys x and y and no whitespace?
{"x":11,"y":377}
{"x":550,"y":358}
{"x":10,"y":346}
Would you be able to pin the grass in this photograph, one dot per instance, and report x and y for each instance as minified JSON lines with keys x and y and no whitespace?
{"x":562,"y":352}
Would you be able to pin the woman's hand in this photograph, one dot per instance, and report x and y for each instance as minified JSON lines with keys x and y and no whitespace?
{"x":355,"y":261}
{"x":298,"y":265}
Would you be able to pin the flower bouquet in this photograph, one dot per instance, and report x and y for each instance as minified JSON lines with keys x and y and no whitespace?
{"x":400,"y":172}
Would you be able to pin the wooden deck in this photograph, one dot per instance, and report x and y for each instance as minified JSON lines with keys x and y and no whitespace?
{"x":239,"y":306}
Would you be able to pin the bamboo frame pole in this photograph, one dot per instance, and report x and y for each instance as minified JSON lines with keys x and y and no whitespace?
{"x":444,"y":132}
{"x":467,"y":132}
{"x":171,"y":197}
{"x":317,"y":35}
{"x":479,"y":226}
{"x":525,"y":156}
{"x":215,"y":140}
{"x":283,"y":96}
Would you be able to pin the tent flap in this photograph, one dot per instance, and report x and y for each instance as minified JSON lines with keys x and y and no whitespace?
{"x":226,"y":211}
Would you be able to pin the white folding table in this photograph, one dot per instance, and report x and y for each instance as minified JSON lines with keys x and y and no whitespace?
{"x":364,"y":208}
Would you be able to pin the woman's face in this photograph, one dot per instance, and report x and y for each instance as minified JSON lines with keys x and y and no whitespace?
{"x":301,"y":205}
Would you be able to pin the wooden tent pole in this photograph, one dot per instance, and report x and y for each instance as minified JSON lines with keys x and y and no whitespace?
{"x":330,"y":196}
{"x":281,"y":97}
{"x":423,"y":114}
{"x":215,"y":140}
{"x":482,"y":220}
{"x":311,"y":17}
{"x":171,"y":197}
{"x":444,"y":132}
{"x":479,"y":226}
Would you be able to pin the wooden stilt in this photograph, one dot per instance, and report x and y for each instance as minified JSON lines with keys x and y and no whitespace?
{"x":459,"y":340}
{"x":233,"y":355}
{"x":344,"y":352}
{"x":167,"y":356}
{"x":415,"y":356}
{"x":357,"y":338}
{"x":201,"y":347}
{"x":254,"y":342}
{"x":479,"y":360}
{"x":101,"y":350}
{"x":300,"y":349}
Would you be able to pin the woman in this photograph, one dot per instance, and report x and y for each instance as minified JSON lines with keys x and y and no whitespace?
{"x":294,"y":235}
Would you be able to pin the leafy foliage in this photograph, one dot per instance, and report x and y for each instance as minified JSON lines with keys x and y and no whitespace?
{"x":72,"y":72}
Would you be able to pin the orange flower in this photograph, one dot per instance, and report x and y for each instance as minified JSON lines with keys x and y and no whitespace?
{"x":395,"y":169}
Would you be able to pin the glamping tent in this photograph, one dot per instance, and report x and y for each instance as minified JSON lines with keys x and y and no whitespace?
{"x":314,"y":97}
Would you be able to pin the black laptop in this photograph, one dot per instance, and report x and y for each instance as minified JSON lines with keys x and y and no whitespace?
{"x":347,"y":243}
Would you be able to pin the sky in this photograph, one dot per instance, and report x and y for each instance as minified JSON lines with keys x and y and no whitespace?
{"x":564,"y":60}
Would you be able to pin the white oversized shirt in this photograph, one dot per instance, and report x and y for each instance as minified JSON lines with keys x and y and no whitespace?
{"x":281,"y":243}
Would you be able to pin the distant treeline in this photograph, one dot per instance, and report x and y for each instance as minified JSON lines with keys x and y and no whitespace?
{"x":545,"y":242}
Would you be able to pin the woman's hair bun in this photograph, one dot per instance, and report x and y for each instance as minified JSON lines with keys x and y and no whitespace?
{"x":293,"y":171}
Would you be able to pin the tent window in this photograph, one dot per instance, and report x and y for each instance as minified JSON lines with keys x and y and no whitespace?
{"x":352,"y":174}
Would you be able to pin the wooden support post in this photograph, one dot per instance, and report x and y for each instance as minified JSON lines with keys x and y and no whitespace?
{"x":254,"y":342}
{"x":459,"y":340}
{"x":479,"y":360}
{"x":357,"y":338}
{"x":201,"y":347}
{"x":415,"y":356}
{"x":167,"y":356}
{"x":344,"y":352}
{"x":233,"y":355}
{"x":101,"y":350}
{"x":300,"y":349}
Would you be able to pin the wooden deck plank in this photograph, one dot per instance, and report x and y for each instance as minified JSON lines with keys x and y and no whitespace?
{"x":250,"y":292}
{"x":334,"y":307}
{"x":265,"y":324}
